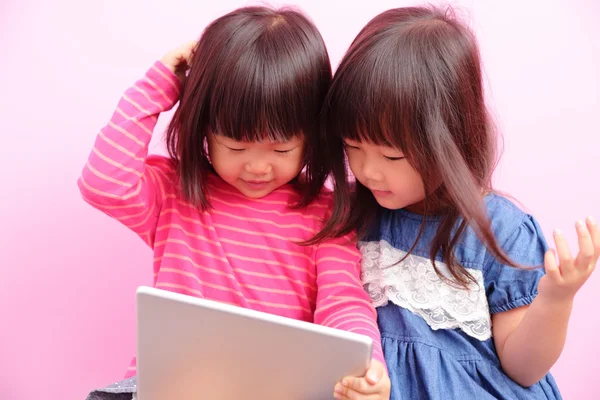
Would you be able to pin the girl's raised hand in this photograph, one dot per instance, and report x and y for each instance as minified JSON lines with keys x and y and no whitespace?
{"x":564,"y":278}
{"x":179,"y":60}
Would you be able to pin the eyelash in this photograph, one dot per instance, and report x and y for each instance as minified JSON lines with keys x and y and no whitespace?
{"x":387,"y":158}
{"x":276,"y":151}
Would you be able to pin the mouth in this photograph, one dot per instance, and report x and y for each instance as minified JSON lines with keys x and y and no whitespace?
{"x":380,"y":193}
{"x":256,"y":184}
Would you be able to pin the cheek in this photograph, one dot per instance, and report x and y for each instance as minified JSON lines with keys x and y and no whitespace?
{"x":291,"y":164}
{"x":225,"y":164}
{"x":353,"y":163}
{"x":214,"y":155}
{"x":405,"y":179}
{"x":414,"y":183}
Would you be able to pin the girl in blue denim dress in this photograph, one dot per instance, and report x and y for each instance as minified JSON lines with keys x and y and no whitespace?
{"x":471,"y":304}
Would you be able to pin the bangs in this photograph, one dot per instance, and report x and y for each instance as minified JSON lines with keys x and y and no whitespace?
{"x":381,"y":91}
{"x":269,"y":84}
{"x":257,"y":103}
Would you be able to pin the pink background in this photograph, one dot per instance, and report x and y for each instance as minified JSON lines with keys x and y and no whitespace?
{"x":68,"y":273}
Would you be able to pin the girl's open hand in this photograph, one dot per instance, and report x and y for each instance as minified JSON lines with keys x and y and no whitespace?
{"x":564,"y":278}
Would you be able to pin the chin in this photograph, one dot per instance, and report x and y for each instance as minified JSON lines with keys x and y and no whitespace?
{"x":390,"y":204}
{"x":256,"y":194}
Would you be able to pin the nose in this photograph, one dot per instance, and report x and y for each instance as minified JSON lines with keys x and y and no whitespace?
{"x":258,"y":167}
{"x":371,"y":172}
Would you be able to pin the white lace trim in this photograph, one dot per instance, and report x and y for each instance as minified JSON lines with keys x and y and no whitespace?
{"x":413,"y":284}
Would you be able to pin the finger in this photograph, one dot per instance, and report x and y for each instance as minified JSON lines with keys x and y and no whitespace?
{"x":586,"y":246}
{"x":339,"y":396}
{"x":340,"y":391}
{"x":564,"y":254}
{"x":354,"y":395}
{"x":595,"y":235}
{"x":361,"y":385}
{"x":341,"y":388}
{"x":551,"y":265}
{"x":189,"y":51}
{"x":190,"y":45}
{"x":356,"y":385}
{"x":375,"y":373}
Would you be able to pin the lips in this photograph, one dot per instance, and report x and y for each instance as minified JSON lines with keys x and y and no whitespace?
{"x":256,"y":184}
{"x":380,"y":193}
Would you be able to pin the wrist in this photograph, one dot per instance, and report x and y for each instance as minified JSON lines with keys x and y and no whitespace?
{"x":564,"y":302}
{"x":166,"y":61}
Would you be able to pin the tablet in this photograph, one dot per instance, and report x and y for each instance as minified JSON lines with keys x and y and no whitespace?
{"x":192,"y":348}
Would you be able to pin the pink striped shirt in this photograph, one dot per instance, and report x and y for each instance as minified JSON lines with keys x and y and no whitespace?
{"x":241,"y":251}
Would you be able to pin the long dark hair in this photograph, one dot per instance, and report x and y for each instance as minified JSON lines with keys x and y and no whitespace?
{"x":412,"y":80}
{"x":256,"y":74}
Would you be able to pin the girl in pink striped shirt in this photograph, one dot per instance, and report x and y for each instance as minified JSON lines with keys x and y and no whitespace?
{"x":229,"y":215}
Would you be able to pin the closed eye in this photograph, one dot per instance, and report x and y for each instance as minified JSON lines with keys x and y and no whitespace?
{"x":234,"y":149}
{"x":283,"y":151}
{"x":394,"y":158}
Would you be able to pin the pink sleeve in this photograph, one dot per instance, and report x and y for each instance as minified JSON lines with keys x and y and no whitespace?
{"x":342,"y":303}
{"x":119,"y":178}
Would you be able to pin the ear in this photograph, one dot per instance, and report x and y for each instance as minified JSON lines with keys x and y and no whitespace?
{"x":207,"y":144}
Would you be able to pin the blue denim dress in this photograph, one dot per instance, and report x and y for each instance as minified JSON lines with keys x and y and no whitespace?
{"x":437,"y":337}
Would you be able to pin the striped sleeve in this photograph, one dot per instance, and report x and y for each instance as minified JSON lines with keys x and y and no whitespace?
{"x":342,"y":303}
{"x":119,"y":179}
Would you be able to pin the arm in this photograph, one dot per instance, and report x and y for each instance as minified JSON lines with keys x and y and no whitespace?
{"x":118,"y":178}
{"x":530,"y":339}
{"x":342,"y":303}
